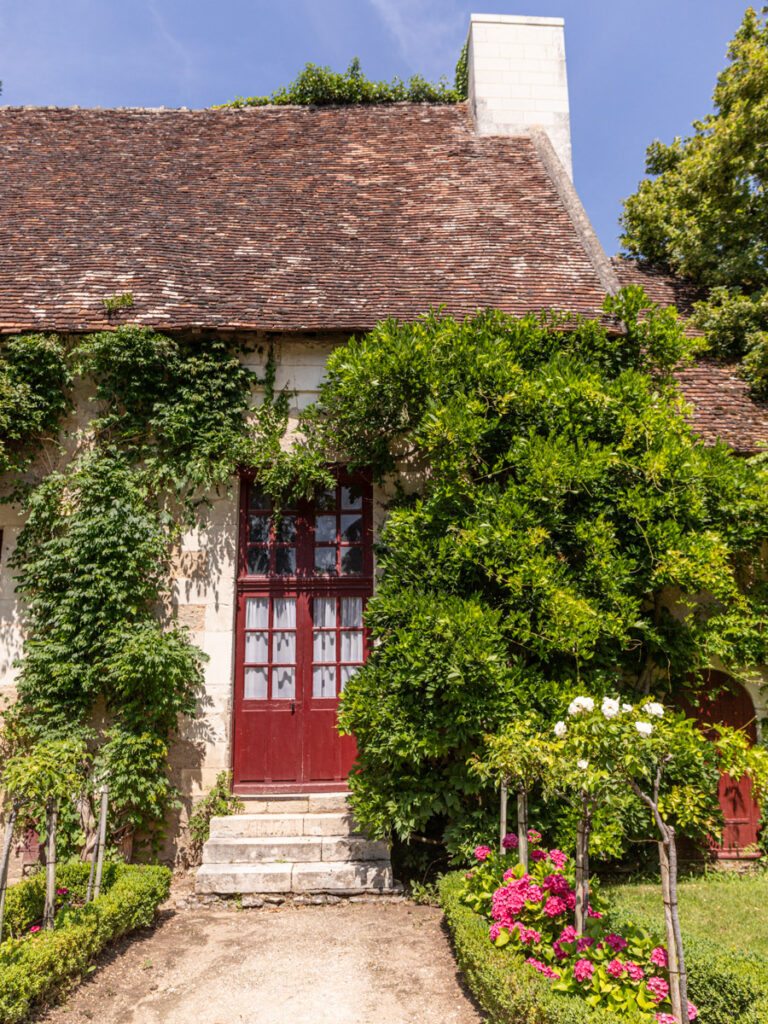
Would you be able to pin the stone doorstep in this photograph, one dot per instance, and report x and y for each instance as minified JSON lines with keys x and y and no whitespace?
{"x":296,"y":803}
{"x":243,"y":850}
{"x":247,"y":826}
{"x":307,"y":877}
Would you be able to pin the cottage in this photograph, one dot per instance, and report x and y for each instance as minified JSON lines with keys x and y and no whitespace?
{"x":289,"y":229}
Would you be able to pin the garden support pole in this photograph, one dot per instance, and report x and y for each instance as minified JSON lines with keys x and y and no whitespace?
{"x":50,"y":863}
{"x":522,"y":827}
{"x":503,"y":817}
{"x":10,"y":825}
{"x":102,"y":839}
{"x":580,"y":911}
{"x":671,"y":853}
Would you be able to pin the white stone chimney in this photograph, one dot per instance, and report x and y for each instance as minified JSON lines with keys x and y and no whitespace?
{"x":517,"y":78}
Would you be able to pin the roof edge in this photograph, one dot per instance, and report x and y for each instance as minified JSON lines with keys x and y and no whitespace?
{"x":575,"y":210}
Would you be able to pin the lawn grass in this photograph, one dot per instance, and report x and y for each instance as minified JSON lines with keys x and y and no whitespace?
{"x":723,"y":907}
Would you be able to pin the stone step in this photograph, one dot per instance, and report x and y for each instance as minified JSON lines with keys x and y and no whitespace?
{"x":277,"y":849}
{"x":297,"y":803}
{"x":251,"y":826}
{"x":307,"y":876}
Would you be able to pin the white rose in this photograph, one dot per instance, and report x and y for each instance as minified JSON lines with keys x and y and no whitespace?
{"x":579,"y":704}
{"x":644,"y":728}
{"x":560,"y":729}
{"x":626,"y":708}
{"x":582,"y":764}
{"x":654,"y":709}
{"x":610,"y":708}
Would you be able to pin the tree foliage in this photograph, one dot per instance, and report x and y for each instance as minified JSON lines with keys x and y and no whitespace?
{"x":703,"y":212}
{"x":559,"y":506}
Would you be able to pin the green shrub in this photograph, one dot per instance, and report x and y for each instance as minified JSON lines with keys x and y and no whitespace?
{"x":33,"y":968}
{"x":218,"y":802}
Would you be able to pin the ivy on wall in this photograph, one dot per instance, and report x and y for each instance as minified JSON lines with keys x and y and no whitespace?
{"x":171,"y":422}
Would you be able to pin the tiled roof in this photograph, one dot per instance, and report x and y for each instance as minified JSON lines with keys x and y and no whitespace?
{"x":276,"y":218}
{"x":721,"y":403}
{"x":722,"y":407}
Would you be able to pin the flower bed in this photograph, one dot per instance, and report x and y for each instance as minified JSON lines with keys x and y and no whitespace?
{"x":34,"y":964}
{"x":506,"y":926}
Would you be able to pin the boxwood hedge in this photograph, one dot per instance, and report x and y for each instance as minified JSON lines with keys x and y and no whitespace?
{"x":726,"y":986}
{"x":33,"y":968}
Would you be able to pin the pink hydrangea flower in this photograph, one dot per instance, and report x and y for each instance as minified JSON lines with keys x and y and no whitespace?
{"x":658,"y":988}
{"x":635,"y":971}
{"x":585,"y":942}
{"x":568,"y":934}
{"x":510,"y":841}
{"x":583,"y":970}
{"x":527,"y":935}
{"x":659,"y":957}
{"x":535,"y":894}
{"x":539,"y":855}
{"x":534,"y":837}
{"x":35,"y":928}
{"x":616,"y":942}
{"x":469,"y":874}
{"x":615,"y":968}
{"x":482,"y":852}
{"x":554,"y":906}
{"x":593,"y":913}
{"x":665,"y":1018}
{"x":693,"y":1013}
{"x":558,"y":858}
{"x":495,"y":932}
{"x":556,"y":884}
{"x":542,"y":968}
{"x":570,"y":900}
{"x":508,"y":874}
{"x":62,"y":892}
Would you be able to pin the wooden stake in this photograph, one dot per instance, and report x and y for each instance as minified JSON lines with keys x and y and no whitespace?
{"x":102,"y":839}
{"x":50,"y":863}
{"x":503,"y":817}
{"x":580,"y":912}
{"x":10,"y":824}
{"x":522,"y":827}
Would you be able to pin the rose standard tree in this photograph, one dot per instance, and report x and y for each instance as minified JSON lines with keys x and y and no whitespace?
{"x":669,"y":765}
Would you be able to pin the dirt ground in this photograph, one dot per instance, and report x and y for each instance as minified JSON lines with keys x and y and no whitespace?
{"x":354,"y":963}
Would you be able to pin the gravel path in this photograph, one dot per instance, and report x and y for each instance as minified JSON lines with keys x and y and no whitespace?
{"x":360,"y":963}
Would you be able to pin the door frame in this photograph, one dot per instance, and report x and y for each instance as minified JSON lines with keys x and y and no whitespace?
{"x":303,"y":586}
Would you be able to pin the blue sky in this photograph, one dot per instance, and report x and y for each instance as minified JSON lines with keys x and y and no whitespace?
{"x":638,"y":69}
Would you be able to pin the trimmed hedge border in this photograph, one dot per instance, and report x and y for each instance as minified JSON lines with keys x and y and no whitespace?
{"x":32,"y":969}
{"x":727,"y":986}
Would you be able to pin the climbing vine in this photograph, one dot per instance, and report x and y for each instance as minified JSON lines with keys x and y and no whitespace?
{"x":170,"y":422}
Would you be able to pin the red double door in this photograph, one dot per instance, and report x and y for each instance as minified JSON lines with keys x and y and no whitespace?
{"x":305,"y":576}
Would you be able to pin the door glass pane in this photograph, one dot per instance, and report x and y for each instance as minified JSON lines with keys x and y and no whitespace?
{"x":324,"y":612}
{"x":351,"y":497}
{"x":326,"y":499}
{"x":324,"y":646}
{"x":284,"y":648}
{"x":325,"y":529}
{"x":256,"y":683}
{"x":285,"y":612}
{"x":257,"y":613}
{"x":346,"y":672}
{"x":285,"y":533}
{"x":352,"y":646}
{"x":285,"y":561}
{"x":351,"y":611}
{"x":258,"y":562}
{"x":257,"y":647}
{"x":351,"y":561}
{"x":324,"y":681}
{"x":258,"y":529}
{"x":257,"y":499}
{"x":352,"y":528}
{"x":283,"y":683}
{"x":325,"y":560}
